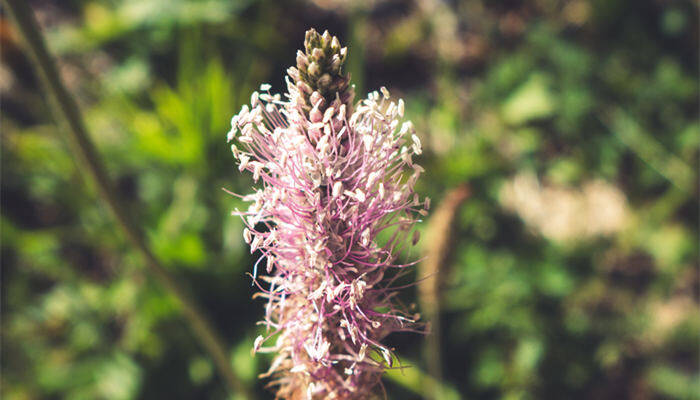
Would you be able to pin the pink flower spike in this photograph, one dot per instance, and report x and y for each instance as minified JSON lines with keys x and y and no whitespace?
{"x":331,"y":176}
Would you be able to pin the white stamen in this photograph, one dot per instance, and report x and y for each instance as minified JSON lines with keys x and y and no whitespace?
{"x":257,"y":343}
{"x":244,"y":162}
{"x":384,"y":92}
{"x":246,"y":235}
{"x":328,"y":114}
{"x":337,"y":187}
{"x":360,"y":195}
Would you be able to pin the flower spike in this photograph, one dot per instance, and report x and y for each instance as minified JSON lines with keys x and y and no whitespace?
{"x":334,"y":208}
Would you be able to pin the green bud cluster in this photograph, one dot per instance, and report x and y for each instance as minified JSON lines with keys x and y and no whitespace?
{"x":319,"y":77}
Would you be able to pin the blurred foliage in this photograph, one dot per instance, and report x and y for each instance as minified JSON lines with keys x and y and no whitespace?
{"x":552,"y":103}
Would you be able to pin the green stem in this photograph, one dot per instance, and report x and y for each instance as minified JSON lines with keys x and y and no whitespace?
{"x":66,"y":110}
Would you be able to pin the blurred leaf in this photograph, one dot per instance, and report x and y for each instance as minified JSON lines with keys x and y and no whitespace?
{"x":674,"y":383}
{"x":650,"y":151}
{"x":201,"y":370}
{"x":246,"y":363}
{"x":532,"y":100}
{"x":412,"y":378}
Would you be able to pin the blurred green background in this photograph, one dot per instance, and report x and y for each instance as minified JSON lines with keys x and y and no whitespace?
{"x":572,"y":270}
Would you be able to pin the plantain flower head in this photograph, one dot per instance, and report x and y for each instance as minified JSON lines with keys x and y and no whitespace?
{"x":334,"y":207}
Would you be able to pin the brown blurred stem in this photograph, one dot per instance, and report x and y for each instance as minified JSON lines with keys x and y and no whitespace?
{"x":67,"y":112}
{"x":437,"y":253}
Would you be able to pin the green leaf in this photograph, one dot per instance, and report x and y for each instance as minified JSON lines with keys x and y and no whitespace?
{"x":532,"y":100}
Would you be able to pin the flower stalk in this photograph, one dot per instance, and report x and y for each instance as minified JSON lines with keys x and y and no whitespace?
{"x":334,"y":208}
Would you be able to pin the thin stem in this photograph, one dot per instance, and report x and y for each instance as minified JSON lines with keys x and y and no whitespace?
{"x":66,"y":110}
{"x":437,"y":253}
